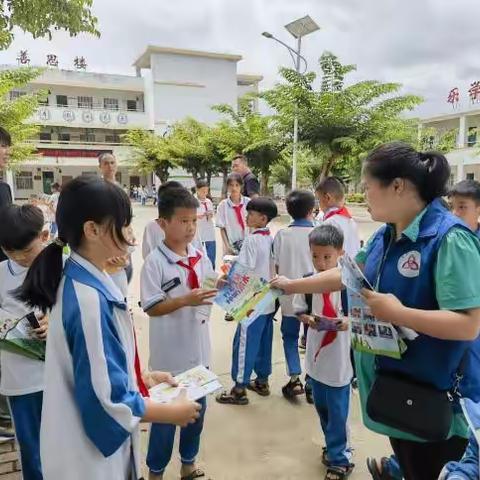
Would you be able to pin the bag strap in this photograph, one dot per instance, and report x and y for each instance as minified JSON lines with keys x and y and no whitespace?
{"x":459,"y":374}
{"x":308,"y":296}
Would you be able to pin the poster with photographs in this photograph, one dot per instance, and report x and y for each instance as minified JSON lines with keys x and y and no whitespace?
{"x":369,"y":335}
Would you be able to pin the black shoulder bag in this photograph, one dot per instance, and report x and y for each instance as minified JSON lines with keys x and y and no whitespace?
{"x":414,"y":407}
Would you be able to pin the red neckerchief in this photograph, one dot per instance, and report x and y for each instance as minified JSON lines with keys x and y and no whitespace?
{"x":192,"y":279}
{"x":341,"y":211}
{"x":262,"y":232}
{"x":329,"y":312}
{"x":205,"y":206}
{"x":142,"y":388}
{"x":238,"y":213}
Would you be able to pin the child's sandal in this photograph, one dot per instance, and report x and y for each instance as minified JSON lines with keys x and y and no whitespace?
{"x":325,"y":459}
{"x":232,"y":398}
{"x":260,"y":388}
{"x":374,"y":469}
{"x":339,"y":473}
{"x":293,"y":389}
{"x":309,"y":394}
{"x":195,"y":474}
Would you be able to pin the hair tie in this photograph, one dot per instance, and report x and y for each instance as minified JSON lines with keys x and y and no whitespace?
{"x":59,"y":243}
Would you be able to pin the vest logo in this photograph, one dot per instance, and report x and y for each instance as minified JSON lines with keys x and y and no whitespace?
{"x":409,"y":264}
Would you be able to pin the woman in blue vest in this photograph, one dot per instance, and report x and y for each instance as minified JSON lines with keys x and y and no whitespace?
{"x":424,"y":264}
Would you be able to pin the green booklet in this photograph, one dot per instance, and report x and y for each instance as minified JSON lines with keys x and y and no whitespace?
{"x":16,"y":336}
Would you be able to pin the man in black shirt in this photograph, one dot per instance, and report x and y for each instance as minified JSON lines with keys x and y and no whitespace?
{"x":251,"y":187}
{"x":5,"y":193}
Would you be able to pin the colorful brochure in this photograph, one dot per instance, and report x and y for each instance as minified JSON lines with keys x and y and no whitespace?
{"x":16,"y":336}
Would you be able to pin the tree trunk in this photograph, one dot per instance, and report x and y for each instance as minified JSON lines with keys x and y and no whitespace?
{"x":225,"y":171}
{"x":264,"y":181}
{"x":327,"y":167}
{"x":209,"y":177}
{"x":162,"y":174}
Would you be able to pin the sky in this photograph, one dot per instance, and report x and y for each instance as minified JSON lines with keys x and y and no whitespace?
{"x":429,"y":46}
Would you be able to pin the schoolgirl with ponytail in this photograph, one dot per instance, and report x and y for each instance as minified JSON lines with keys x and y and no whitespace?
{"x":92,"y":403}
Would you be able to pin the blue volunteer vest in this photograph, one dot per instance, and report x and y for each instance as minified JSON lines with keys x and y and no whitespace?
{"x":406,"y":269}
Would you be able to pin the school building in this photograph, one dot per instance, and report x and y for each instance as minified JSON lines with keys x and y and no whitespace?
{"x":465,"y":158}
{"x":86,"y":113}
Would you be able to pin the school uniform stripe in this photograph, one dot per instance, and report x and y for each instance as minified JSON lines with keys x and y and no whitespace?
{"x":153,"y":301}
{"x":242,"y":353}
{"x":109,"y":409}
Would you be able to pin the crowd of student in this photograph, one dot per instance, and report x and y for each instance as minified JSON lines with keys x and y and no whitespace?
{"x":77,"y":415}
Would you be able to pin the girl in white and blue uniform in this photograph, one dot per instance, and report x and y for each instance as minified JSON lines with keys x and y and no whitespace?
{"x":92,"y":405}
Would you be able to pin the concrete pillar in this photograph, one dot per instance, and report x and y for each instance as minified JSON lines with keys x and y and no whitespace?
{"x":9,"y":180}
{"x":462,"y":132}
{"x":460,"y":170}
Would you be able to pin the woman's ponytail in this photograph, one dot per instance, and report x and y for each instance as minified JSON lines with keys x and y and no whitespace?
{"x":39,"y":289}
{"x":437,"y":173}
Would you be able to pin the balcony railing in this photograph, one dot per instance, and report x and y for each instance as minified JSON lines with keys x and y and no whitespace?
{"x":93,"y":107}
{"x":74,"y":142}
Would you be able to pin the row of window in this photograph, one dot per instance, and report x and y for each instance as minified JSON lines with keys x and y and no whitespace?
{"x":86,"y":137}
{"x":83,"y":101}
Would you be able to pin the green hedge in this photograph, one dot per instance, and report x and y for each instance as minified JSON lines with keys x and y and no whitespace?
{"x":355,"y":198}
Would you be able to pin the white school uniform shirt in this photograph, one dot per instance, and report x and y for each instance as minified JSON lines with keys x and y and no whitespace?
{"x":205,"y":228}
{"x":180,"y":340}
{"x":227,"y":219}
{"x":91,"y":404}
{"x":292,"y":256}
{"x":349,"y":228}
{"x":332,"y":366}
{"x":20,"y":375}
{"x":153,"y":236}
{"x":256,"y":255}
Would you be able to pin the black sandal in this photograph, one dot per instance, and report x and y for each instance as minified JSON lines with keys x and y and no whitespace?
{"x":339,"y":473}
{"x":195,"y":474}
{"x":260,"y":388}
{"x":309,"y":394}
{"x":232,"y":398}
{"x":325,"y":459}
{"x":293,"y":389}
{"x":374,"y":469}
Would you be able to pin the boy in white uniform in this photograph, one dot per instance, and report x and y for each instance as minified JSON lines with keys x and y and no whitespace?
{"x":22,"y":237}
{"x":206,"y":227}
{"x":231,"y":216}
{"x":327,"y":359}
{"x":292,"y":257}
{"x":252,"y":345}
{"x":179,"y":312}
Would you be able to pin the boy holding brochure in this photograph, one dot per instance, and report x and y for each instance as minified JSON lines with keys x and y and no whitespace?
{"x":22,"y":238}
{"x":327,"y":358}
{"x":252,"y":344}
{"x":179,"y":311}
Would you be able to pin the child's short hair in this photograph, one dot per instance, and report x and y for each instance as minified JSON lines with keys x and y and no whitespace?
{"x":332,"y":185}
{"x":5,"y":138}
{"x":202,"y":183}
{"x":300,"y":203}
{"x":264,"y":205}
{"x":20,"y":226}
{"x":234,"y":177}
{"x":468,"y":189}
{"x":173,"y":198}
{"x":165,"y":187}
{"x":326,"y":236}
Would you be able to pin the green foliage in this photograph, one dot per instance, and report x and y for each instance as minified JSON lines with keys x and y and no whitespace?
{"x":443,"y":141}
{"x":150,"y":153}
{"x":14,"y":113}
{"x":355,"y":198}
{"x":41,"y":17}
{"x":342,"y":122}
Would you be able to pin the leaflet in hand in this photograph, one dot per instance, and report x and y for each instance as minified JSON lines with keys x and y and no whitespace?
{"x":326,"y":324}
{"x":198,"y":382}
{"x":245,"y":295}
{"x":16,"y":336}
{"x":369,"y":334}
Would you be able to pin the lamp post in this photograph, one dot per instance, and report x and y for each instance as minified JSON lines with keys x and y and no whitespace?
{"x":298,"y":29}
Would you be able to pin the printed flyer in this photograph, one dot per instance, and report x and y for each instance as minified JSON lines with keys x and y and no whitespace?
{"x":245,"y":295}
{"x":16,"y":337}
{"x":199,"y":382}
{"x":369,"y":334}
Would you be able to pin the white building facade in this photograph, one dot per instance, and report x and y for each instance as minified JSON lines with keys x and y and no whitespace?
{"x":465,"y":158}
{"x":87,"y":113}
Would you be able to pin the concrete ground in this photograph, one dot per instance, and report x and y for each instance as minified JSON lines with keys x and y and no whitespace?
{"x":271,"y":438}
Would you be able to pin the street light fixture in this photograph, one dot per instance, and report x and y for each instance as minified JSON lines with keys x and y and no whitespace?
{"x":298,"y":29}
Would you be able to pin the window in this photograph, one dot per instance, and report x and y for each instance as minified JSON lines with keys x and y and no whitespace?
{"x":14,"y":94}
{"x":470,"y":176}
{"x":24,"y":181}
{"x":43,"y":101}
{"x":63,"y":137}
{"x":132,"y":105}
{"x":90,"y":174}
{"x":45,"y":136}
{"x":85,"y":102}
{"x":118,"y":177}
{"x":451,"y":180}
{"x":472,"y":136}
{"x":62,"y":101}
{"x":110,"y":103}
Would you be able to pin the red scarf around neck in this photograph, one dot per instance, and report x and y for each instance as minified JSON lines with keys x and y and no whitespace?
{"x":329,"y":312}
{"x":238,"y":213}
{"x":192,"y":278}
{"x":341,"y":211}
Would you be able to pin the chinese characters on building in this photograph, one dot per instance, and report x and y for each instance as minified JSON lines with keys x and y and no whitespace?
{"x":80,"y":63}
{"x":23,"y":58}
{"x":473,"y":93}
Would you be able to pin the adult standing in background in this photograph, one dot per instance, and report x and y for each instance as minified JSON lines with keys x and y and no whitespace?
{"x":5,"y":193}
{"x":251,"y":186}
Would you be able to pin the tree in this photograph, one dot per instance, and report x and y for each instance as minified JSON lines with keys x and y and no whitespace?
{"x":254,"y":135}
{"x":342,"y":122}
{"x":40,"y":17}
{"x":15,"y":113}
{"x":151,"y":153}
{"x":443,"y":141}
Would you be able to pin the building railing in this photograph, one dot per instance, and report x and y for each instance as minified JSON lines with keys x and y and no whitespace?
{"x":94,"y":107}
{"x":74,"y":142}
